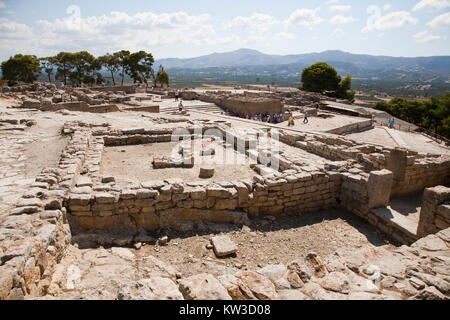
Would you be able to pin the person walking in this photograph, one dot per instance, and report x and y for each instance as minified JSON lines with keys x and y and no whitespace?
{"x":177,"y":95}
{"x":306,"y":121}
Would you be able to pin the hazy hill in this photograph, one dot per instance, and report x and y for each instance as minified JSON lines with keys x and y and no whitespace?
{"x":358,"y":65}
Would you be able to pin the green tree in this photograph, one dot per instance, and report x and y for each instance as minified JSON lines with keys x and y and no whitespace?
{"x":139,"y":66}
{"x":64,"y":64}
{"x":48,"y":66}
{"x":99,"y":79}
{"x":83,"y":66}
{"x":320,"y":77}
{"x":111,"y":63}
{"x":122,"y":59}
{"x":21,"y":68}
{"x":323,"y":78}
{"x":432,"y":115}
{"x":163,"y":77}
{"x":344,"y":89}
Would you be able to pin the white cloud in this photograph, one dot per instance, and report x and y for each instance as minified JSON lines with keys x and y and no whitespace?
{"x":285,"y":36}
{"x":381,"y":35}
{"x":2,"y":5}
{"x":120,"y":30}
{"x":431,"y":5}
{"x":441,"y":21}
{"x":387,"y":7}
{"x":424,"y":37}
{"x":108,"y":33}
{"x":428,"y":38}
{"x":391,"y":20}
{"x":255,"y":39}
{"x":420,"y":34}
{"x":13,"y":30}
{"x":332,"y":2}
{"x":340,"y":8}
{"x":225,"y":40}
{"x":338,"y":33}
{"x":16,"y":38}
{"x":257,"y":22}
{"x":304,"y":18}
{"x":340,"y":19}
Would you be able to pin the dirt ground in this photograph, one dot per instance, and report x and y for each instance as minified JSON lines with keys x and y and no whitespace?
{"x":128,"y":163}
{"x":98,"y":273}
{"x":266,"y":242}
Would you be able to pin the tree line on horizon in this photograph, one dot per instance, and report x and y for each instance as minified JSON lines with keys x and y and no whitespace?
{"x":84,"y":68}
{"x":433,"y":115}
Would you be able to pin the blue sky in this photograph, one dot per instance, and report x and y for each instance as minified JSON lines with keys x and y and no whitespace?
{"x":198,"y":27}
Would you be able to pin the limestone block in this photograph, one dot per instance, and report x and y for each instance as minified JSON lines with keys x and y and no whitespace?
{"x":128,"y":194}
{"x":223,"y":246}
{"x":79,"y":199}
{"x":257,"y":285}
{"x":105,"y":198}
{"x":150,"y":289}
{"x":203,"y":287}
{"x":198,"y":194}
{"x":206,"y":172}
{"x":379,"y":188}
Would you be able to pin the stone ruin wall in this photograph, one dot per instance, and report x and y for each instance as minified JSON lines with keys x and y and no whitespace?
{"x":238,"y":104}
{"x":413,"y":172}
{"x":126,"y":89}
{"x":47,"y":97}
{"x":35,"y":234}
{"x":159,"y":204}
{"x":172,"y":203}
{"x":435,"y":214}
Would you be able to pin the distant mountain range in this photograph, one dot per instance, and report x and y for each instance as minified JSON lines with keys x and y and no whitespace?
{"x":252,"y":62}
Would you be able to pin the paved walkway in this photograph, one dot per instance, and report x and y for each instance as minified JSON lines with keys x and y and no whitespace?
{"x":397,"y":138}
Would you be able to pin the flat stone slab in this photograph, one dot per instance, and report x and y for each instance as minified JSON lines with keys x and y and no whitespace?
{"x":223,"y":246}
{"x":398,"y":219}
{"x":84,"y":182}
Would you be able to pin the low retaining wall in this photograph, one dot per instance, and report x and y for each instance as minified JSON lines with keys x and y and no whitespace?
{"x":99,"y":206}
{"x":126,"y":89}
{"x":362,"y":194}
{"x":160,"y":204}
{"x":151,"y":109}
{"x":238,"y":104}
{"x":413,"y":172}
{"x":79,"y":106}
{"x":435,"y":214}
{"x":352,"y":127}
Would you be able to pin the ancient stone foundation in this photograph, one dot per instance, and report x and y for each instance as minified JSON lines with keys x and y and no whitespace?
{"x":74,"y":199}
{"x":435,"y":214}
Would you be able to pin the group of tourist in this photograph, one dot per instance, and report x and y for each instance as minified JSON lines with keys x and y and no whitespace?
{"x":276,"y":118}
{"x":264,"y":117}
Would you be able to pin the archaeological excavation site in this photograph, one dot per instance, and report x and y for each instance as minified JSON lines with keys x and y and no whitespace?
{"x":117,"y":193}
